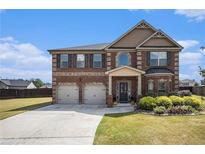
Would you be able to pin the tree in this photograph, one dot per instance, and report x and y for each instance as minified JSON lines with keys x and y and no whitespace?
{"x":37,"y":82}
{"x":202,"y":73}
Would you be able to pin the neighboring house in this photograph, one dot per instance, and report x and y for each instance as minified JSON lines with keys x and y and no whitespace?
{"x":47,"y":85}
{"x":187,"y":83}
{"x":16,"y":84}
{"x":143,"y":61}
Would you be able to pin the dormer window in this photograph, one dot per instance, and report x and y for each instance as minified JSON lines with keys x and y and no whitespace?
{"x":158,"y":58}
{"x":123,"y":59}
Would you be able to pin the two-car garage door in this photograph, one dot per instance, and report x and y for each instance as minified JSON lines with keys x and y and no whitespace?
{"x":92,"y":94}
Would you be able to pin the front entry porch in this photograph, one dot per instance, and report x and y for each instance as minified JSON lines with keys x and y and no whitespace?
{"x":124,"y":85}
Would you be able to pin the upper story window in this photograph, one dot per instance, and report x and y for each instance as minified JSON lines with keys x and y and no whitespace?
{"x":63,"y":60}
{"x":158,"y":58}
{"x":80,"y":60}
{"x":97,"y":60}
{"x":123,"y":59}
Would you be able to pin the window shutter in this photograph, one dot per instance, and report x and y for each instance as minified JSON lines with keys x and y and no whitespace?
{"x":148,"y":58}
{"x":103,"y":61}
{"x":91,"y":60}
{"x":74,"y":60}
{"x":69,"y":60}
{"x":169,"y":58}
{"x":86,"y":60}
{"x":58,"y":60}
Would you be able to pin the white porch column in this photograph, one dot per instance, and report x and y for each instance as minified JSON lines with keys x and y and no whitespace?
{"x":139,"y":85}
{"x":110,"y":85}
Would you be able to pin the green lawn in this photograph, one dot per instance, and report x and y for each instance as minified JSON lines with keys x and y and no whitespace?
{"x":132,"y":128}
{"x":11,"y":107}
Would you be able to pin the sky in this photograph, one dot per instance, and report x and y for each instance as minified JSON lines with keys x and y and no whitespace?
{"x":26,"y":35}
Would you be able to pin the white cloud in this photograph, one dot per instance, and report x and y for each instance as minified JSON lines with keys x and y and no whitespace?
{"x":188,"y":43}
{"x":23,"y":60}
{"x":184,"y":76}
{"x":7,"y":39}
{"x":193,"y":15}
{"x":190,"y":58}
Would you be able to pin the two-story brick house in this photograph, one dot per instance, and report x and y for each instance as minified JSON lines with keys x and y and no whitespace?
{"x":143,"y":61}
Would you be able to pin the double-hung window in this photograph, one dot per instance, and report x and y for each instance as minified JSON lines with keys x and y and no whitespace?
{"x":161,"y":87}
{"x":158,"y":58}
{"x":97,"y":60}
{"x":80,"y":60}
{"x":150,"y":87}
{"x":63,"y":60}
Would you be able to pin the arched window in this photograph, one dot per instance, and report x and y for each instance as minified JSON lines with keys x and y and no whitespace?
{"x":123,"y":59}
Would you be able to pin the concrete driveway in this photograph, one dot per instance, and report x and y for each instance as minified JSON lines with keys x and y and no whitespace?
{"x":55,"y":124}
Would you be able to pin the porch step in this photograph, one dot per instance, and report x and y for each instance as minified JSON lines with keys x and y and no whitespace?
{"x":123,"y":105}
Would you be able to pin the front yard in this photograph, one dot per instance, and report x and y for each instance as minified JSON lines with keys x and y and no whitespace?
{"x":132,"y":128}
{"x":11,"y":107}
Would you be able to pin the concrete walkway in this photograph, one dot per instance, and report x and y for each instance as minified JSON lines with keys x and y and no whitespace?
{"x":55,"y":124}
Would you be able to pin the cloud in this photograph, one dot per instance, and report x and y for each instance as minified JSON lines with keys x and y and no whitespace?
{"x":188,"y":43}
{"x":7,"y":39}
{"x":193,"y":15}
{"x":190,"y":58}
{"x":23,"y":60}
{"x":184,"y":76}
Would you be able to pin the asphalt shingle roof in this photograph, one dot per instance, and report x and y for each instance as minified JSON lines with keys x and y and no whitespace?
{"x":99,"y":46}
{"x":16,"y":83}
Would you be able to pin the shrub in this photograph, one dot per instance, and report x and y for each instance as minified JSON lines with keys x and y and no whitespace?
{"x":192,"y":101}
{"x":163,"y":101}
{"x":147,"y":103}
{"x":184,"y":93}
{"x":159,"y":110}
{"x":177,"y":101}
{"x":180,"y":110}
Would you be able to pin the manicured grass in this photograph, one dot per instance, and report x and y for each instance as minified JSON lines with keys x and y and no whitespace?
{"x":11,"y":107}
{"x":132,"y":128}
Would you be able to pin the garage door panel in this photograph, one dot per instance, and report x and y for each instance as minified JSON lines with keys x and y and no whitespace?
{"x":68,"y":94}
{"x":95,"y":94}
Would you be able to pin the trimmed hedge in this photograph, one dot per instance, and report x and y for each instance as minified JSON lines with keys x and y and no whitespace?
{"x":177,"y":101}
{"x":194,"y":102}
{"x":163,"y":101}
{"x":172,"y":104}
{"x":147,"y":103}
{"x":159,"y":110}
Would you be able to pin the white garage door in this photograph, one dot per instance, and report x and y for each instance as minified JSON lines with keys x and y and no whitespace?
{"x":95,"y":94}
{"x":68,"y":94}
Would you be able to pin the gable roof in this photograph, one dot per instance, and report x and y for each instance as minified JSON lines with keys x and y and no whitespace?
{"x":130,"y":30}
{"x":15,"y":83}
{"x":91,"y":47}
{"x":159,"y":33}
{"x":124,"y":67}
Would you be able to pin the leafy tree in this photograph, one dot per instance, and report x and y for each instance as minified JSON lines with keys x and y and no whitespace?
{"x":37,"y":82}
{"x":202,"y":73}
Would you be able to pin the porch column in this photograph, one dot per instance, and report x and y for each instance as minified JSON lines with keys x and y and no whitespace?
{"x":139,"y":85}
{"x":110,"y":86}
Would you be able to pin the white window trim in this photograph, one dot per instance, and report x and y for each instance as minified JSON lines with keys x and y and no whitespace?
{"x":80,"y":61}
{"x":117,"y":57}
{"x":97,"y":61}
{"x":158,"y":59}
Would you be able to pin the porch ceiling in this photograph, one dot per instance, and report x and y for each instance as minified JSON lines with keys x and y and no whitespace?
{"x":125,"y":71}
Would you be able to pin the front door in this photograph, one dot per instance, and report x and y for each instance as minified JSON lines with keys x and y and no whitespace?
{"x":123,"y":92}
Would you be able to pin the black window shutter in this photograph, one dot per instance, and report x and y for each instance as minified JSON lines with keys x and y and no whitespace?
{"x":169,"y":57}
{"x":58,"y":60}
{"x":91,"y":60}
{"x":148,"y":58}
{"x":69,"y":60}
{"x":86,"y":60}
{"x":103,"y":61}
{"x":74,"y":57}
